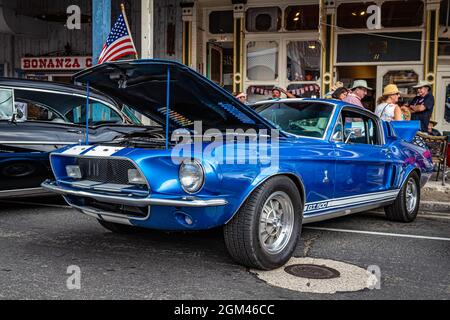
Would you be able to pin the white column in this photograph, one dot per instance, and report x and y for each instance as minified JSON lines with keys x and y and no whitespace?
{"x":147,"y":29}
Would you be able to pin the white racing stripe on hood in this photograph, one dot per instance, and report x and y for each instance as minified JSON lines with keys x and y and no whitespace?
{"x":102,"y":151}
{"x":77,"y":150}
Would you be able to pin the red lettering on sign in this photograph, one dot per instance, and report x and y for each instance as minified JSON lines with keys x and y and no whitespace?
{"x":42,"y":63}
{"x":75,"y":64}
{"x":25,"y":64}
{"x":88,"y":62}
{"x":59,"y":63}
{"x":50,"y":64}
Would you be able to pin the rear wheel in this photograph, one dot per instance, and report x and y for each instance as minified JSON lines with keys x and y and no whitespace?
{"x":406,"y":206}
{"x":264,"y":232}
{"x":117,"y":227}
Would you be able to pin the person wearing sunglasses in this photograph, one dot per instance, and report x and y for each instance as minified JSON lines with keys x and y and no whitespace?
{"x":387,"y":108}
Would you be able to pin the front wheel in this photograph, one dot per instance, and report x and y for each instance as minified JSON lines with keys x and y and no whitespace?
{"x":406,"y":206}
{"x":264,"y":232}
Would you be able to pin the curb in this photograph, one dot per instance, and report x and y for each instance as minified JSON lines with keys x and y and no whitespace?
{"x":435,"y":207}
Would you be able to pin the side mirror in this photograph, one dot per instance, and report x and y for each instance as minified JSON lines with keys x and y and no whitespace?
{"x":337,"y":136}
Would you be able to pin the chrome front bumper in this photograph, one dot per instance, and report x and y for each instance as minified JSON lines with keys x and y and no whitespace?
{"x":133,"y":201}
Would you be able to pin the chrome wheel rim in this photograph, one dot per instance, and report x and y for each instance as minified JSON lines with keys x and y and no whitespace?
{"x":276,"y":222}
{"x":411,"y":195}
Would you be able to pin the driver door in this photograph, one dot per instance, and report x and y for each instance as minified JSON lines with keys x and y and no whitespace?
{"x":363,"y":162}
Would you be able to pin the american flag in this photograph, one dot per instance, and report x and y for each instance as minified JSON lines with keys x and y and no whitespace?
{"x":119,"y":42}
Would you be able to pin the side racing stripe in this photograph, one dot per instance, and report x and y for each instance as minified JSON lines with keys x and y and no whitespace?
{"x":330,"y":204}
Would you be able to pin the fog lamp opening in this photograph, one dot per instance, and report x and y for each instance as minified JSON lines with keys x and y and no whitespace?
{"x":73,"y":172}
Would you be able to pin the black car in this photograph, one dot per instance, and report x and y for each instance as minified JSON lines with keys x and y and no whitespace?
{"x":38,"y":117}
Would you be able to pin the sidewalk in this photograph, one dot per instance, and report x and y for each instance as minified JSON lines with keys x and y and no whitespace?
{"x":435,"y":197}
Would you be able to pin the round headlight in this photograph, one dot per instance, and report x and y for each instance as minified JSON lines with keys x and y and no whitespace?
{"x":191,"y":176}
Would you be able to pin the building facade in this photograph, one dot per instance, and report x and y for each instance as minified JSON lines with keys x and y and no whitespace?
{"x":250,"y":45}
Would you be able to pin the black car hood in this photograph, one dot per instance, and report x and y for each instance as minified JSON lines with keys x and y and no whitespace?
{"x":142,"y":85}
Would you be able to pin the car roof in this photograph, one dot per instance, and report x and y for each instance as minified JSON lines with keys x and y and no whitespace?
{"x":54,"y":86}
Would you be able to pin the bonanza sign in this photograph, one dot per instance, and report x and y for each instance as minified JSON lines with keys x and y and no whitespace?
{"x":56,"y":63}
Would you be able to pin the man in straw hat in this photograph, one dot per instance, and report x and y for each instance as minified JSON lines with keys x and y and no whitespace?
{"x":431,"y":130}
{"x":359,"y":91}
{"x":422,"y":105}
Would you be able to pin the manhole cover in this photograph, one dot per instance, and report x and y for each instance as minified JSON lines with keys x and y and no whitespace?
{"x":316,"y":275}
{"x":312,"y":271}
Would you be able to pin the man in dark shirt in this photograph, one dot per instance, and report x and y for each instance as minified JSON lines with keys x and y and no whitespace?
{"x":422,"y":105}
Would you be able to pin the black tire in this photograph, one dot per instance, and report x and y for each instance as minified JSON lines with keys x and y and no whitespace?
{"x":398,"y":211}
{"x":117,"y":227}
{"x":242,"y":232}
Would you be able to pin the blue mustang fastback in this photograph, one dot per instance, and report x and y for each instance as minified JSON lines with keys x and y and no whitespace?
{"x":209,"y":161}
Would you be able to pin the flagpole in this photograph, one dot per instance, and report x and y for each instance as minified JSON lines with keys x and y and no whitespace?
{"x":122,"y":7}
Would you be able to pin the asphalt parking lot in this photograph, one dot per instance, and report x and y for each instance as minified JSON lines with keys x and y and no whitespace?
{"x":38,"y":242}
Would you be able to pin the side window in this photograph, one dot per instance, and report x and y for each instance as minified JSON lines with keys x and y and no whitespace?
{"x":359,"y":129}
{"x":98,"y":113}
{"x":6,"y":104}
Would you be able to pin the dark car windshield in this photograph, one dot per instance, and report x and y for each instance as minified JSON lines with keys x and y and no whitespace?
{"x":308,"y":119}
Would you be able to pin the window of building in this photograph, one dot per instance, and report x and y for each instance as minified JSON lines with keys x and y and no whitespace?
{"x":262,"y":60}
{"x":447,"y":104}
{"x":444,"y":14}
{"x":303,"y":60}
{"x":221,"y":22}
{"x":352,"y":15}
{"x":392,"y":46}
{"x":405,"y":80}
{"x":301,"y":18}
{"x":402,"y":13}
{"x":267,"y":19}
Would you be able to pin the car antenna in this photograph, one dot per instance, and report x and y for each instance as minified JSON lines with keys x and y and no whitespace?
{"x":167,"y":106}
{"x":87,"y":113}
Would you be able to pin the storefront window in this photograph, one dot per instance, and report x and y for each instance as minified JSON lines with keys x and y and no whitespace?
{"x":221,"y":22}
{"x":301,"y":17}
{"x":392,"y":46}
{"x":262,"y":60}
{"x":405,"y":80}
{"x":352,"y":15}
{"x":303,"y":61}
{"x":402,"y":13}
{"x":267,"y":19}
{"x":304,"y":90}
{"x":447,"y":104}
{"x":444,"y":47}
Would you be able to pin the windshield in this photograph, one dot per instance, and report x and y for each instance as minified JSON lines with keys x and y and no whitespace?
{"x":6,"y":104}
{"x":309,"y":119}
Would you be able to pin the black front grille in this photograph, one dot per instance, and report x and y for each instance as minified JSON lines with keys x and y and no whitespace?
{"x":105,"y":170}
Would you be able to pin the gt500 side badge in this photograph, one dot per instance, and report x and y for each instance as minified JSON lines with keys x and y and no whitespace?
{"x":103,"y":151}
